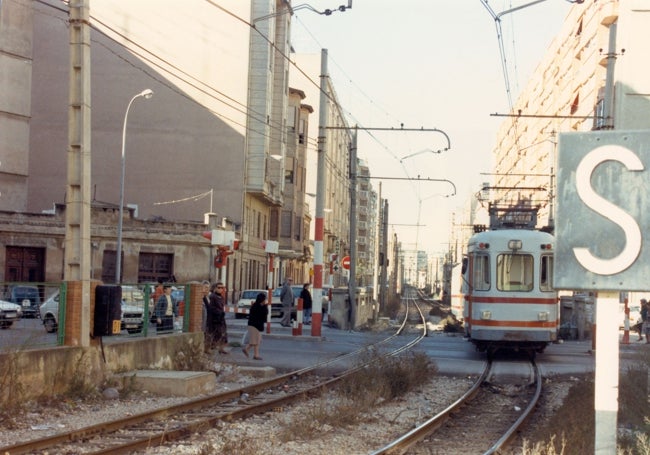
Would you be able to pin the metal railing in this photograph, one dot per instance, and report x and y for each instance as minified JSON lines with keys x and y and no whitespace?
{"x":33,"y":314}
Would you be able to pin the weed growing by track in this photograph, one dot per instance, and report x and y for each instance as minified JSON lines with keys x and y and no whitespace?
{"x":573,"y":425}
{"x":380,"y":379}
{"x":11,"y":388}
{"x":188,"y":356}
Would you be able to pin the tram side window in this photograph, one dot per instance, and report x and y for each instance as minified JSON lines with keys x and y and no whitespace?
{"x":482,"y":272}
{"x":546,"y":273}
{"x":515,"y":272}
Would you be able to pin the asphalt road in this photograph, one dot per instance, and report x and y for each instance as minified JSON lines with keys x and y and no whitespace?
{"x":452,"y":354}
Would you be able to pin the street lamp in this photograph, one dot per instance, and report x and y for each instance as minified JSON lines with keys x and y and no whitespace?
{"x":146,"y":94}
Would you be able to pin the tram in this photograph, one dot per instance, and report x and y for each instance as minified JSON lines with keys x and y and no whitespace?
{"x":508,"y":296}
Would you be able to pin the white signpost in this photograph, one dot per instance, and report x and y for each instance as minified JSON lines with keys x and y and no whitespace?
{"x":603,"y":202}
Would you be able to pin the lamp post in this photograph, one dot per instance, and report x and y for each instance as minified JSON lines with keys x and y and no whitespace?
{"x":146,"y":94}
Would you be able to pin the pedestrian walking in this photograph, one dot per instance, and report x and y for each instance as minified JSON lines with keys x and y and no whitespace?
{"x":166,"y":310}
{"x":645,"y":317}
{"x":256,"y":319}
{"x":157,"y":292}
{"x":216,"y":330}
{"x":305,"y":295}
{"x":286,"y":297}
{"x":205,"y":299}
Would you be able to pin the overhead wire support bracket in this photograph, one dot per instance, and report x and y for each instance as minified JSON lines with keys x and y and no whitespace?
{"x":418,"y":178}
{"x":401,"y":129}
{"x":581,"y":117}
{"x":291,"y":10}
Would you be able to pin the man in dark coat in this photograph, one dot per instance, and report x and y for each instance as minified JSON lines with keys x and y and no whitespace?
{"x":215,"y":322}
{"x":305,"y":295}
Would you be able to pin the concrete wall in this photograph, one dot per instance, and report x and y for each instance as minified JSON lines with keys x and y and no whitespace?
{"x":187,"y":140}
{"x":340,"y":309}
{"x":15,"y":99}
{"x":34,"y":373}
{"x":192,"y":252}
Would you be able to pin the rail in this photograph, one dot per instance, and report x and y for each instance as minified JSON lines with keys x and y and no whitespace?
{"x":152,"y":428}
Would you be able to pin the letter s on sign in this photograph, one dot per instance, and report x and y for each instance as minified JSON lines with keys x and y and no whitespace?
{"x":610,"y":211}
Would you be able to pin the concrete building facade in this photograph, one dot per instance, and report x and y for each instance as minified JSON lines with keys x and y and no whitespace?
{"x":201,"y":150}
{"x":566,"y":93}
{"x":366,"y":227}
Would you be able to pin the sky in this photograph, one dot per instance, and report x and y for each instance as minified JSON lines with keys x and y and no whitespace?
{"x":432,"y":64}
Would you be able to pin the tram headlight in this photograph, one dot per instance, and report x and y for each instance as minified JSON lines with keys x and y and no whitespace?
{"x":514,"y":244}
{"x":542,"y":316}
{"x":486,"y":314}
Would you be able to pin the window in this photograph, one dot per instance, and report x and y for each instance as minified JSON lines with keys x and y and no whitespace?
{"x":515,"y":272}
{"x":273,"y":232}
{"x":296,"y":227}
{"x":575,"y":104}
{"x":302,"y":131}
{"x":285,"y":224}
{"x":481,"y":275}
{"x":546,"y":273}
{"x":289,"y":170}
{"x":153,"y":266}
{"x":291,"y":121}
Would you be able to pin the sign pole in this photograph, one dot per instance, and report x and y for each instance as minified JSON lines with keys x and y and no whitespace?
{"x":607,"y":364}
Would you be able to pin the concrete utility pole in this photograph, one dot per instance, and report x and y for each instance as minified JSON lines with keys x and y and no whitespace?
{"x":352,"y":283}
{"x":317,"y":305}
{"x":384,"y":255}
{"x":78,"y":194}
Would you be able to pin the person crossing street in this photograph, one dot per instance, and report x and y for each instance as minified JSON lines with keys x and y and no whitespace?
{"x":286,"y":297}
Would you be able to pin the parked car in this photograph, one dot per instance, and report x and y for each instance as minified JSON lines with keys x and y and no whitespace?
{"x":9,"y":312}
{"x":28,"y":297}
{"x":132,"y":310}
{"x":246,"y":300}
{"x":50,"y":313}
{"x":131,"y":319}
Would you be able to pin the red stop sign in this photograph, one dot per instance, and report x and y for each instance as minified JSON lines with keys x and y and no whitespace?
{"x":345,"y":262}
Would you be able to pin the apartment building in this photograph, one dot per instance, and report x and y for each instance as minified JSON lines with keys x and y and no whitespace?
{"x":566,"y":94}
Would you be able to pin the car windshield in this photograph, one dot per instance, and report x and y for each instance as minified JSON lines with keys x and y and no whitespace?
{"x":277,"y":292}
{"x":178,"y":295}
{"x":26,"y":293}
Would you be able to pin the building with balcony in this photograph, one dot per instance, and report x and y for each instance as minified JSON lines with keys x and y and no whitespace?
{"x":566,"y":94}
{"x":215,"y":141}
{"x":290,"y":222}
{"x":367,"y":229}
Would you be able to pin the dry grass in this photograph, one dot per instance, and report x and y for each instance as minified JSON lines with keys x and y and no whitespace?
{"x":189,"y":356}
{"x":11,"y":389}
{"x":575,"y":420}
{"x":380,"y":379}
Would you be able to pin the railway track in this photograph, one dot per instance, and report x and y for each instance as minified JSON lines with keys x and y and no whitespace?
{"x":481,"y":421}
{"x":162,"y":426}
{"x":167,"y":426}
